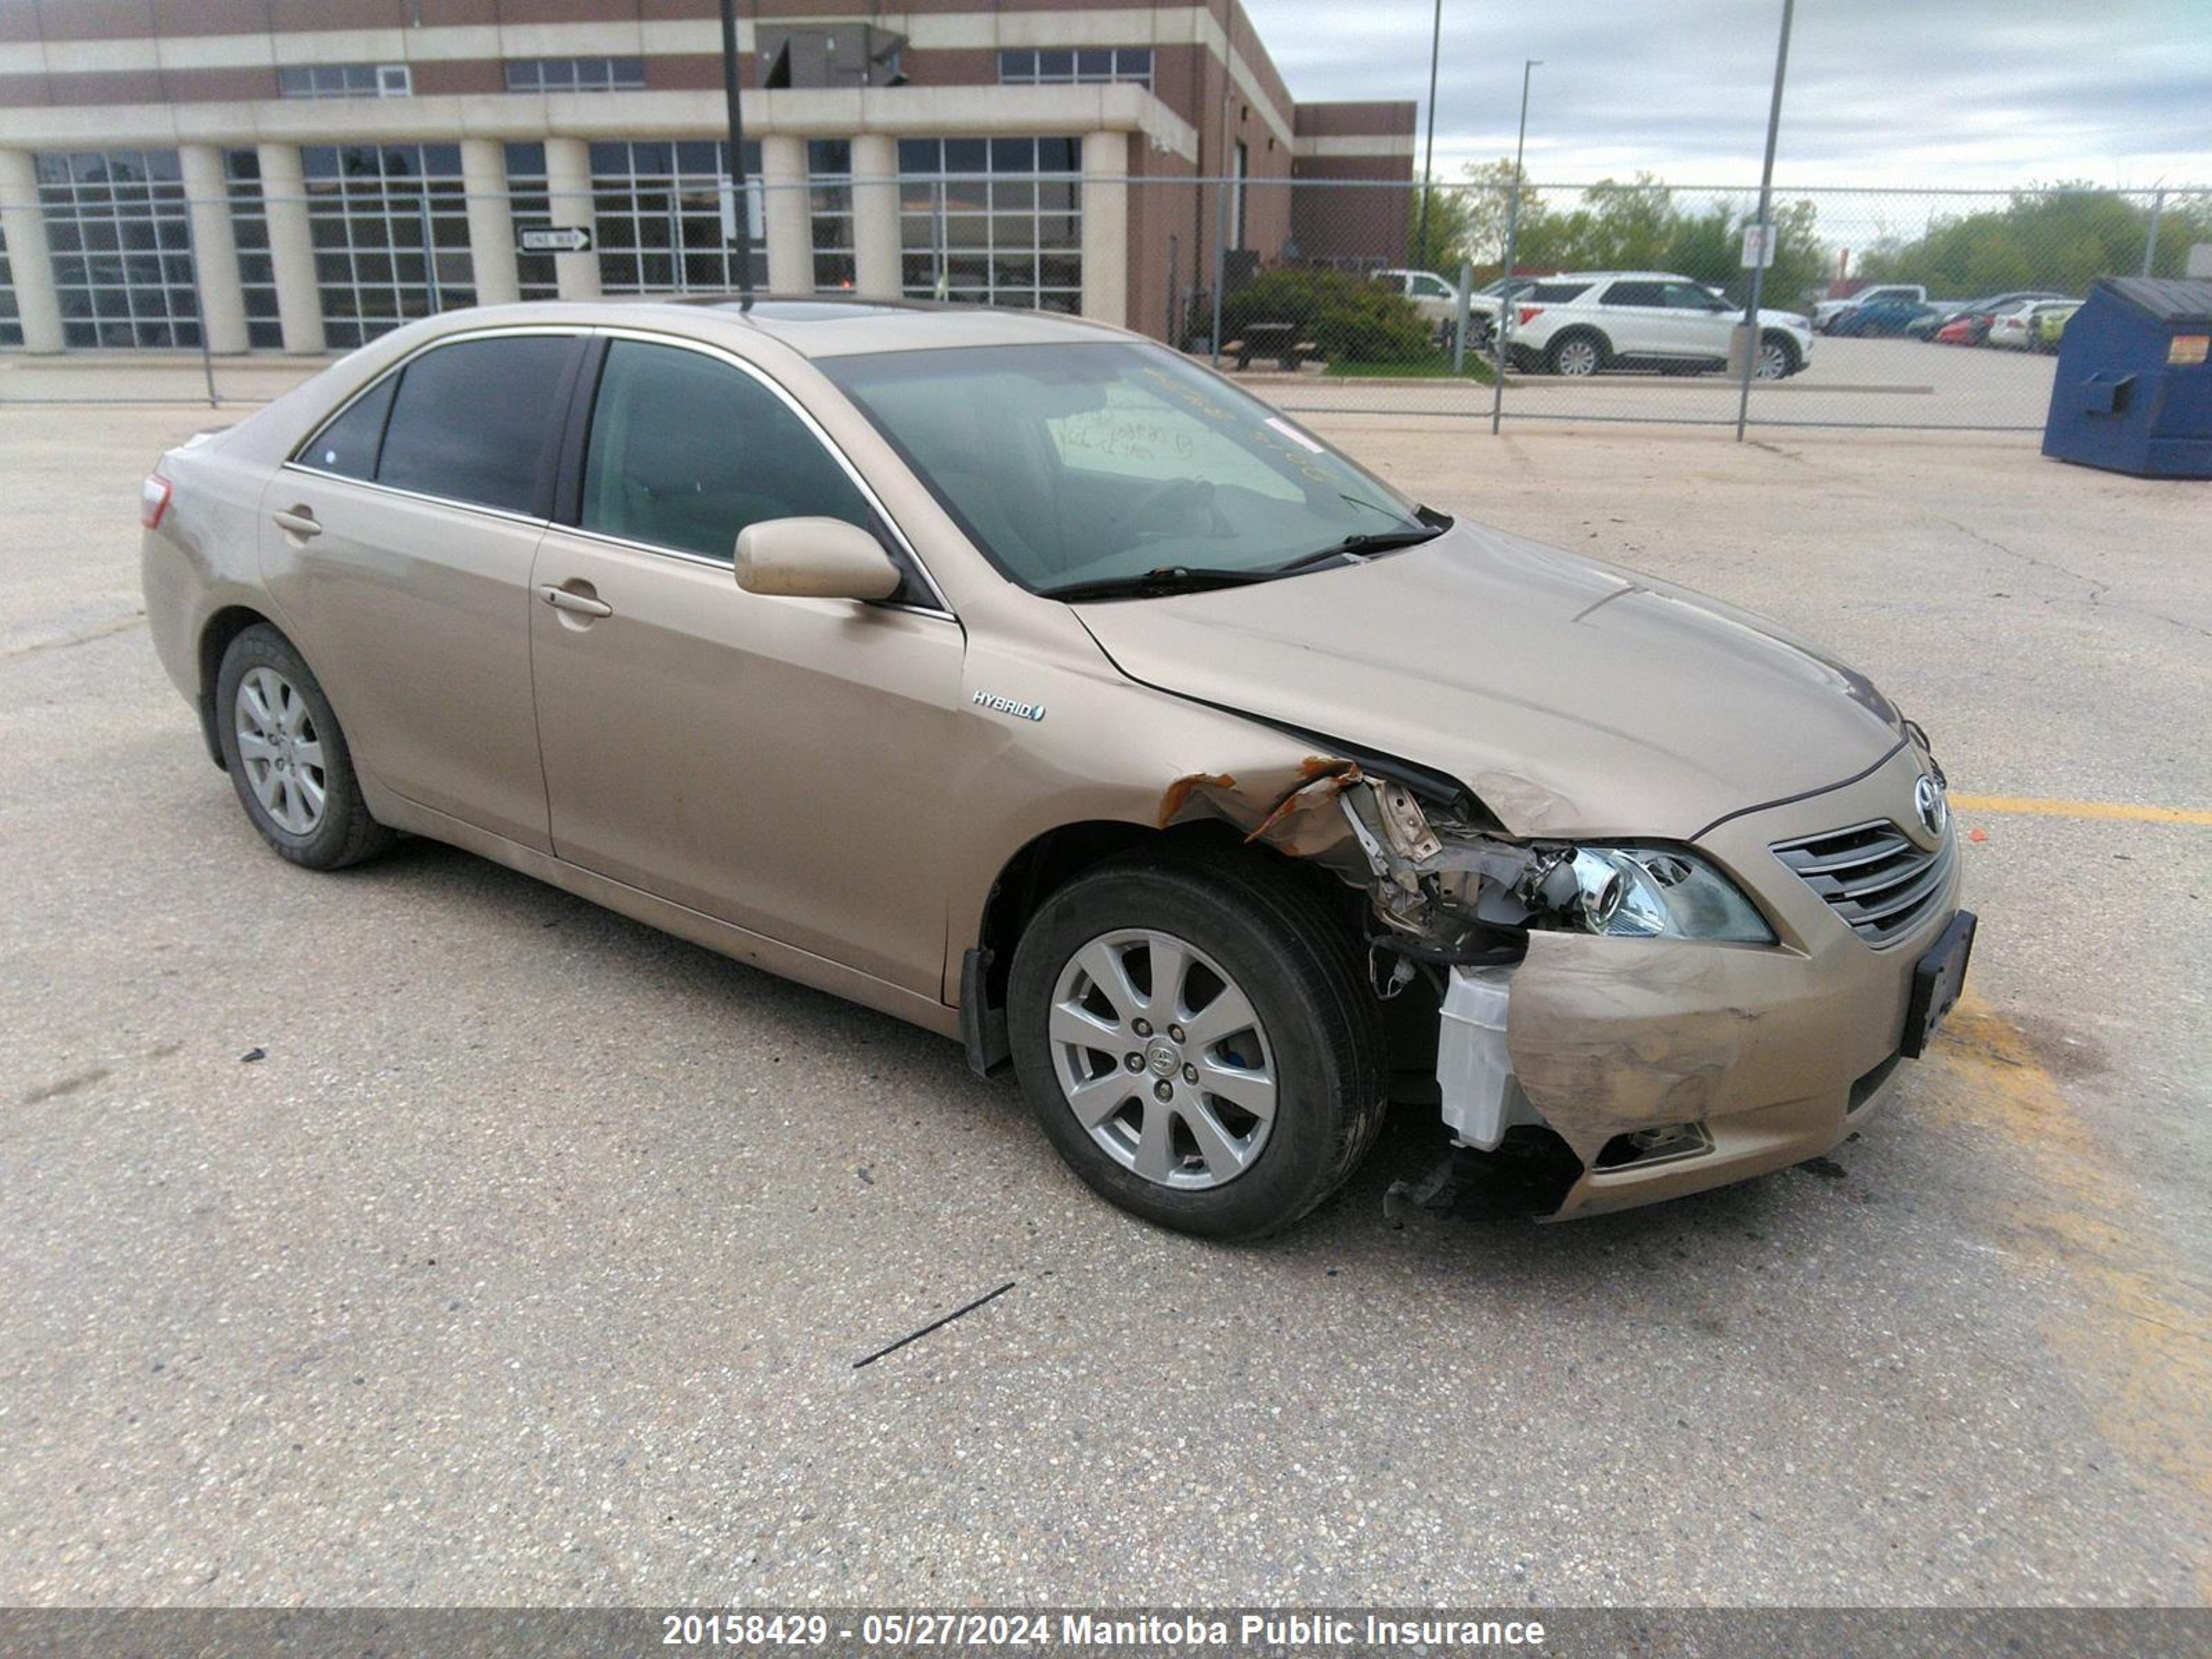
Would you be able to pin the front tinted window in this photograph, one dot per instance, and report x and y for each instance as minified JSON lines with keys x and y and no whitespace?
{"x":347,"y":445}
{"x":478,"y":421}
{"x":1080,"y":463}
{"x":685,"y":452}
{"x":1689,"y":296}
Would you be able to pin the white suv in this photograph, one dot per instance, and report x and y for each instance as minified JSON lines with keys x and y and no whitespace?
{"x":1581,"y":321}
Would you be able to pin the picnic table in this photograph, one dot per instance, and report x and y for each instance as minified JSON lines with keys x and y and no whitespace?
{"x":1276,"y":340}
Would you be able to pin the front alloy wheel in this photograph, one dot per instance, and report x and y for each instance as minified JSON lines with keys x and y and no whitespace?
{"x":1774,"y":360}
{"x":1195,"y":1033}
{"x":1161,"y":1057}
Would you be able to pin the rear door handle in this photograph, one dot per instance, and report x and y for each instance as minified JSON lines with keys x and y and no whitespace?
{"x":298,"y":521}
{"x":563,"y":598}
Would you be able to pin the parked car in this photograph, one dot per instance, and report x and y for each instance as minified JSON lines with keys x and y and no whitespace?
{"x":2047,"y":324}
{"x":2015,"y":329}
{"x":1433,"y":297}
{"x":1971,"y":328}
{"x":1026,"y":680}
{"x":1989,"y":305}
{"x":1891,"y":317}
{"x":1580,"y":322}
{"x":1824,"y":312}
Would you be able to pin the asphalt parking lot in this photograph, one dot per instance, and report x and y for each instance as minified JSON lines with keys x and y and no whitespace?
{"x":530,"y":1260}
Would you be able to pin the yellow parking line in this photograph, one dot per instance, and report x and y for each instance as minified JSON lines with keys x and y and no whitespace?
{"x":2080,"y":809}
{"x":2135,"y":1335}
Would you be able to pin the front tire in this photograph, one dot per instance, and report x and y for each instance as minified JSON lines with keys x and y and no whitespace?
{"x":288,"y":757}
{"x":1196,"y":1039}
{"x":1777,"y":357}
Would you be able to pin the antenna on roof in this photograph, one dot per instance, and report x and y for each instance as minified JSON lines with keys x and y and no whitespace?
{"x":739,"y":184}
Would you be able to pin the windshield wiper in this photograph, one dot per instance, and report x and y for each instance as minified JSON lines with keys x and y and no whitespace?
{"x":1368,"y":543}
{"x":1165,"y":579}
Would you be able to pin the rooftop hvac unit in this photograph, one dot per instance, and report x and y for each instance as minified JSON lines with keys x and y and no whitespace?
{"x":840,"y":55}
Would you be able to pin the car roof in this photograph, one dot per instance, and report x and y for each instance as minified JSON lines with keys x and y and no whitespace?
{"x":823,"y":326}
{"x":1616,"y":275}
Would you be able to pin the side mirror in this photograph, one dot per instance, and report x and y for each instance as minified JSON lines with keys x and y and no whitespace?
{"x":814,"y":559}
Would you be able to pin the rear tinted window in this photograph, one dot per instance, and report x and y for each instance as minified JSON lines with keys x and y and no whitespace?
{"x":1636,"y":294}
{"x":349,"y":444}
{"x":478,"y":422}
{"x":1555,"y":293}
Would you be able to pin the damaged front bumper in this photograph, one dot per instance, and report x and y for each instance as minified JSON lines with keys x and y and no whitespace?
{"x":1668,"y":1066}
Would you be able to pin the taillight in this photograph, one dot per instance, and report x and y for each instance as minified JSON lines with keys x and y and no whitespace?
{"x":153,"y":501}
{"x":1529,"y":314}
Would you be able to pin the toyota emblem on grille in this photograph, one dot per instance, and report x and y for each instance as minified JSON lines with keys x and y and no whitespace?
{"x":1927,"y":800}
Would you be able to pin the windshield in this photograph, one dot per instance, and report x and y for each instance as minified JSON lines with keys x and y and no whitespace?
{"x":1081,"y":463}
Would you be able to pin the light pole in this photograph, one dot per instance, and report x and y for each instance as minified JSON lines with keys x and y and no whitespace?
{"x":1751,"y":340}
{"x":1512,"y":239}
{"x":739,"y":182}
{"x":1429,"y":155}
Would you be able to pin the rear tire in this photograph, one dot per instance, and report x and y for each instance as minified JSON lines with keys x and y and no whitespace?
{"x":1577,"y":354}
{"x":1119,"y":1065}
{"x":287,"y":755}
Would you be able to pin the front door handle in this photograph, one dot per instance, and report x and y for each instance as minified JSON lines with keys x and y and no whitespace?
{"x":582,"y":604}
{"x":298,"y":521}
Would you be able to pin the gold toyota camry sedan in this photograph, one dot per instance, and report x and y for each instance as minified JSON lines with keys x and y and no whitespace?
{"x":1023,"y":679}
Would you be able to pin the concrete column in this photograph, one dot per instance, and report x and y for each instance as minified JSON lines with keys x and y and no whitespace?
{"x":215,"y":248}
{"x":785,"y":215}
{"x":568,"y":190}
{"x":292,"y":249}
{"x":1106,"y":227}
{"x":29,"y":256}
{"x":876,"y":216}
{"x":491,"y":221}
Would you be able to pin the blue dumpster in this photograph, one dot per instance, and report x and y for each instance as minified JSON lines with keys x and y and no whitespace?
{"x":2133,"y":392}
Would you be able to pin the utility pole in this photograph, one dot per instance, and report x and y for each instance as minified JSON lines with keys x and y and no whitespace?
{"x":1751,"y":348}
{"x":1429,"y":156}
{"x":1512,"y":241}
{"x":740,"y":182}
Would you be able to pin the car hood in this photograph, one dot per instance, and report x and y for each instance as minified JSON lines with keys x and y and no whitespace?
{"x":1572,"y":698}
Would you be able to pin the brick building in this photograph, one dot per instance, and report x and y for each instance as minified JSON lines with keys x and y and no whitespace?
{"x":303,"y":174}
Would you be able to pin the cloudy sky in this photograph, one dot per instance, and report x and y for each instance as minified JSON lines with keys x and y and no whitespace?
{"x":1902,"y":92}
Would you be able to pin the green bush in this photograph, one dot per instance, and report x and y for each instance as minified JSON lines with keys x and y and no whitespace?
{"x":1352,"y":318}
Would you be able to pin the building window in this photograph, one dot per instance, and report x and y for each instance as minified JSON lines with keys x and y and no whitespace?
{"x":658,"y":213}
{"x":344,"y":80}
{"x":830,"y":207}
{"x":249,"y":228}
{"x":12,"y":323}
{"x":122,"y":248}
{"x":1079,"y":66}
{"x":575,"y":74}
{"x":391,"y":225}
{"x":991,"y":221}
{"x":528,"y":200}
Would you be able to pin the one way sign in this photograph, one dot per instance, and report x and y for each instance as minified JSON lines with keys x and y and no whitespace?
{"x":557,"y":239}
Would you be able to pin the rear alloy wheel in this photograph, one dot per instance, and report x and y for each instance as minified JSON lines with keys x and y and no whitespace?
{"x":286,"y":757}
{"x":1194,"y":1038}
{"x":1777,"y":357}
{"x":1576,"y":356}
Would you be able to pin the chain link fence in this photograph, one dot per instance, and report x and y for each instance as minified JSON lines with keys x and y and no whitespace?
{"x":1924,"y":309}
{"x":1624,"y":301}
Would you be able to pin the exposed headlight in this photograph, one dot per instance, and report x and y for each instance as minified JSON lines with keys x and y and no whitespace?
{"x":1660,"y":892}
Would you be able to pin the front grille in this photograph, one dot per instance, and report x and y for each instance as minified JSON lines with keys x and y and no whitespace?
{"x":1872,"y":875}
